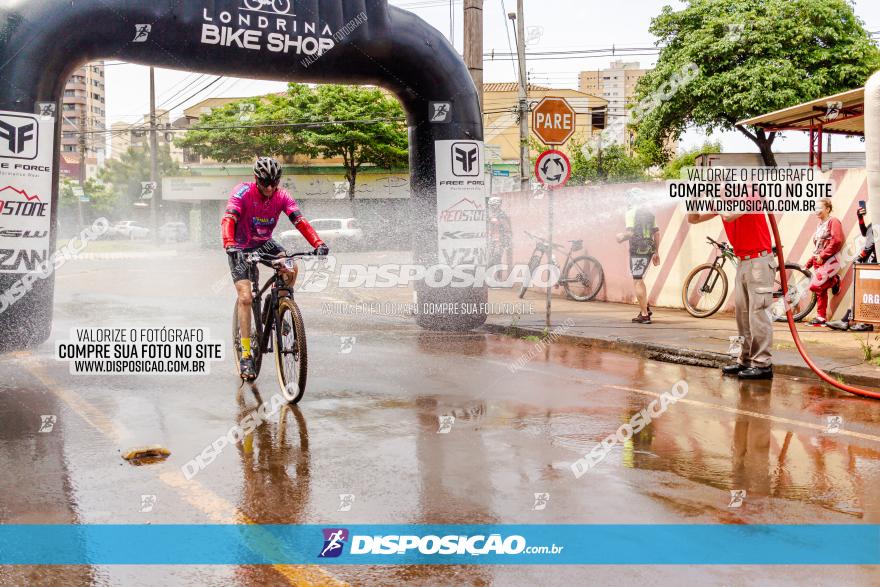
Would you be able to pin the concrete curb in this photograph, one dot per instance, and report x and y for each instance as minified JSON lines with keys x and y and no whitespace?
{"x":674,"y":354}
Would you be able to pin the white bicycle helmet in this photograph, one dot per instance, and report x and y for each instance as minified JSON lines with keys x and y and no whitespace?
{"x":267,"y":170}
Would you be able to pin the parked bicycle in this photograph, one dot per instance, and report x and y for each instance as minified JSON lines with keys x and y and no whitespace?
{"x":276,"y":327}
{"x":706,"y":287}
{"x":582,"y":277}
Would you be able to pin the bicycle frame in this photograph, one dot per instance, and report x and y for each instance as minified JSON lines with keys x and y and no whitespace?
{"x":723,"y":255}
{"x":542,"y":248}
{"x":264,"y":320}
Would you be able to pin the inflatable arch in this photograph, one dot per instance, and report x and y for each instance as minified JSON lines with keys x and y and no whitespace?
{"x":318,"y":41}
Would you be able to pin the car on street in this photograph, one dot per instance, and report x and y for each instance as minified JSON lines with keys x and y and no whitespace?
{"x":174,"y":232}
{"x":338,"y":233}
{"x":129,"y":230}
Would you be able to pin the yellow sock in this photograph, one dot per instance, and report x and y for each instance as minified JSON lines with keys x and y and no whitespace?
{"x":245,"y":348}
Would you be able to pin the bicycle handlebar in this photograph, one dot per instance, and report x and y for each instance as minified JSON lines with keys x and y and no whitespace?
{"x":714,"y":243}
{"x":257,"y":257}
{"x":556,"y":246}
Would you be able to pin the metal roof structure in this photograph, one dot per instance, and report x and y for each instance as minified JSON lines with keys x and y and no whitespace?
{"x":842,"y":114}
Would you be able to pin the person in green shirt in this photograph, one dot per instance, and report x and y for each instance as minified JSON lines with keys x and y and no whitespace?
{"x":643,"y":235}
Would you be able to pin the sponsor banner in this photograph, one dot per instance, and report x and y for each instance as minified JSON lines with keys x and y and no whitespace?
{"x":26,"y":159}
{"x":271,"y":25}
{"x":461,"y":202}
{"x":568,"y":544}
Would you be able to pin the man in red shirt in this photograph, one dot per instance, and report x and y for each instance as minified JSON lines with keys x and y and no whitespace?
{"x":753,"y":291}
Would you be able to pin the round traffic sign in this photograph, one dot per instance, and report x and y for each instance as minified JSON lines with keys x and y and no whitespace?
{"x":553,"y":169}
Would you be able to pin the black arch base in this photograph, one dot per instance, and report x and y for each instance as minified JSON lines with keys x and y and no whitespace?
{"x":318,"y":41}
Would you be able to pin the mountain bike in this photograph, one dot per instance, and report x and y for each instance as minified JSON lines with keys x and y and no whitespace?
{"x":706,"y":287}
{"x":276,"y":327}
{"x":582,"y":277}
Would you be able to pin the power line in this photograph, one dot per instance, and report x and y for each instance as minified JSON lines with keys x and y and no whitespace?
{"x":193,"y":95}
{"x":188,"y":81}
{"x":507,"y":30}
{"x":313,"y":124}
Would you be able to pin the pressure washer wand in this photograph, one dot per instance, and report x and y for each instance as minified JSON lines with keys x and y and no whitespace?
{"x":794,"y":333}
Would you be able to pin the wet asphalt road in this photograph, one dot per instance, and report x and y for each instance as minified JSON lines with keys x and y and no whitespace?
{"x":368,"y":426}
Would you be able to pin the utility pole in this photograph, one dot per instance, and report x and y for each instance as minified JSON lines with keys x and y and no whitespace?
{"x":519,"y":19}
{"x":83,"y":151}
{"x":154,"y":159}
{"x":473,"y":42}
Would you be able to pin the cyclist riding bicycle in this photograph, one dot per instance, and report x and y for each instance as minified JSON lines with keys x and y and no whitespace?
{"x":500,"y":232}
{"x":251,"y":216}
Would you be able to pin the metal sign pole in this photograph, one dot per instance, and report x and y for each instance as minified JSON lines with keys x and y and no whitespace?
{"x":550,"y":239}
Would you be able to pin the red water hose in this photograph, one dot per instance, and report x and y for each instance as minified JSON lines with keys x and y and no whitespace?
{"x":794,"y":333}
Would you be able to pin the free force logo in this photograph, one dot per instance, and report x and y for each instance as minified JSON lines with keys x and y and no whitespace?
{"x":18,"y":136}
{"x":465,"y":159}
{"x":334,"y":542}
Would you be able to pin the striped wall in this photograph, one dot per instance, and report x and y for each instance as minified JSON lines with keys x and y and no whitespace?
{"x":595,"y":214}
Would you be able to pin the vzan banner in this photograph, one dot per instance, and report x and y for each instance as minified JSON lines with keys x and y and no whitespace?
{"x":26,"y":151}
{"x":461,"y":202}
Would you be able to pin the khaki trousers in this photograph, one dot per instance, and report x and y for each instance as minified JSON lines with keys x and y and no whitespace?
{"x":753,"y":296}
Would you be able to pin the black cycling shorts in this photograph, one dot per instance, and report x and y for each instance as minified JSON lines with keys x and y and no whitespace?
{"x":638,"y":264}
{"x":239,"y":270}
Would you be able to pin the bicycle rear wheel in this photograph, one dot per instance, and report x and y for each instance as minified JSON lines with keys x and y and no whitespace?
{"x":798,"y":280}
{"x":704,"y":291}
{"x":291,"y":355}
{"x":256,"y":351}
{"x":583,"y":278}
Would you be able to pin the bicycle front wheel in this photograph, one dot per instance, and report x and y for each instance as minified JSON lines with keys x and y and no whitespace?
{"x":256,"y":351}
{"x":291,"y":355}
{"x":583,"y":279}
{"x":704,"y":291}
{"x":798,"y":280}
{"x":533,"y":264}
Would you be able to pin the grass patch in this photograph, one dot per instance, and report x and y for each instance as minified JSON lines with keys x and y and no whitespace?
{"x":869,"y":348}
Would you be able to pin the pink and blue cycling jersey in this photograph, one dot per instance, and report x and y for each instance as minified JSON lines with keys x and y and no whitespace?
{"x":258,"y":216}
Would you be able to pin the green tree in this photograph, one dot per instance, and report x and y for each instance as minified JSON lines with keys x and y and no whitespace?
{"x":133,"y":167}
{"x":610,"y":165}
{"x":101,"y":198}
{"x":381,"y":140}
{"x":244,"y":130}
{"x":308,"y":113}
{"x":672,"y":170}
{"x":754,"y":56}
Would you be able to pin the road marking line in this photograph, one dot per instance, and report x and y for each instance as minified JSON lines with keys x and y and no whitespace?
{"x":74,"y":401}
{"x":702,"y":404}
{"x":218,"y":509}
{"x":777,"y":419}
{"x":194,"y":493}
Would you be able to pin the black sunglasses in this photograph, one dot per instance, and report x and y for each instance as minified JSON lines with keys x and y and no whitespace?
{"x":267,"y":184}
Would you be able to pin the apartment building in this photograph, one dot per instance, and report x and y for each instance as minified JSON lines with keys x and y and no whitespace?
{"x":617,"y":84}
{"x":83,"y":117}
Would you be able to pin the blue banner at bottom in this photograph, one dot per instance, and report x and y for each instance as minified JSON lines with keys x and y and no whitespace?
{"x":564,"y":544}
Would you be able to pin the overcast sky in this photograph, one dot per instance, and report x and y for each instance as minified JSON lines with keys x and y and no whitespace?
{"x":554,"y":25}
